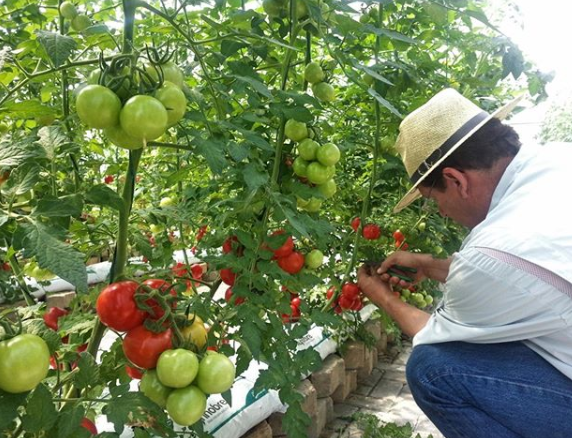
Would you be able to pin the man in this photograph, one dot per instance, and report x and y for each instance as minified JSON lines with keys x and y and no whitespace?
{"x":495,"y":358}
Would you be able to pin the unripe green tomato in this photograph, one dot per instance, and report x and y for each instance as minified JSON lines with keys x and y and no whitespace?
{"x":24,"y":363}
{"x":155,"y":228}
{"x":186,"y":405}
{"x":120,"y":138}
{"x":301,"y":9}
{"x":4,"y":127}
{"x":300,"y":167}
{"x":274,"y":8}
{"x":421,"y":226}
{"x":317,"y":173}
{"x":166,"y":202}
{"x":177,"y":368}
{"x":80,"y":22}
{"x":324,"y":92}
{"x":364,"y":18}
{"x":174,"y":101}
{"x":93,"y":77}
{"x":368,"y":79}
{"x":68,"y":10}
{"x":98,"y":107}
{"x":313,"y":205}
{"x":328,"y":189}
{"x":330,"y":171}
{"x":295,"y":130}
{"x":152,"y":387}
{"x":328,"y":154}
{"x":313,"y":73}
{"x":144,"y":117}
{"x":314,"y":259}
{"x":45,"y":119}
{"x":171,"y":72}
{"x":307,"y":149}
{"x":429,"y":299}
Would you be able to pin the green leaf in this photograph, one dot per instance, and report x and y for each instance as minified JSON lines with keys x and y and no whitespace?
{"x":51,"y":137}
{"x":41,"y":412}
{"x":104,"y":196}
{"x":513,"y":62}
{"x":65,"y":206}
{"x":58,"y":47}
{"x":13,"y":154}
{"x":213,"y":151}
{"x":9,"y":404}
{"x":384,"y":102}
{"x":256,"y":85}
{"x":27,"y":109}
{"x":23,"y":179}
{"x":254,"y":177}
{"x":88,"y":375}
{"x":231,"y":47}
{"x":391,"y":34}
{"x":37,"y":240}
{"x":69,"y":420}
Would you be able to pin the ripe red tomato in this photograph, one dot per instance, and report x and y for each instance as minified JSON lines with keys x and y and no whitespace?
{"x":292,"y":263}
{"x":350,"y":290}
{"x":296,"y":301}
{"x":143,"y":347}
{"x":227,"y":276}
{"x":286,"y":248}
{"x":87,"y":424}
{"x":52,"y":315}
{"x":228,"y":297}
{"x":330,"y":293}
{"x":346,"y":302}
{"x":133,"y":372}
{"x":371,"y":232}
{"x":398,"y":236}
{"x":116,"y":306}
{"x":108,"y":179}
{"x":157,"y":311}
{"x":356,"y":223}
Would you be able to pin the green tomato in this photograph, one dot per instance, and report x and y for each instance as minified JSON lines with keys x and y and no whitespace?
{"x":80,"y":23}
{"x":328,"y":189}
{"x":331,"y":170}
{"x":144,"y":117}
{"x":167,"y":201}
{"x":313,"y":205}
{"x":155,"y":228}
{"x":313,"y":73}
{"x":307,"y":149}
{"x":314,"y":259}
{"x":328,"y":154}
{"x":295,"y":130}
{"x":324,"y":92}
{"x":421,"y":226}
{"x":274,"y":8}
{"x":24,"y":363}
{"x":41,"y":274}
{"x":301,"y":9}
{"x":317,"y":173}
{"x":4,"y":127}
{"x":98,"y":106}
{"x":93,"y":77}
{"x":216,"y":373}
{"x":186,"y":405}
{"x":119,"y":137}
{"x":171,"y":73}
{"x":300,"y":167}
{"x":68,"y":10}
{"x":177,"y":368}
{"x":153,"y":389}
{"x":429,"y":299}
{"x":174,"y":100}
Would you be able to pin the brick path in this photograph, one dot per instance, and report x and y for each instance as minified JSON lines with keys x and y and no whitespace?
{"x":385,"y":394}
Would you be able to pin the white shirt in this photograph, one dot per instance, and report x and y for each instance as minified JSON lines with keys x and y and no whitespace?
{"x":490,"y":299}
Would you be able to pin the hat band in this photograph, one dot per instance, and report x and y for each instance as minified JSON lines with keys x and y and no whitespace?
{"x":426,"y":166}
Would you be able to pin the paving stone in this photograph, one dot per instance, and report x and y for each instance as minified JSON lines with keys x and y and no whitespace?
{"x":328,"y":378}
{"x":373,"y":379}
{"x":386,"y":389}
{"x":395,"y":375}
{"x":371,"y":403}
{"x":364,"y":390}
{"x":344,"y":410}
{"x":382,"y":365}
{"x":353,"y":354}
{"x":261,"y":430}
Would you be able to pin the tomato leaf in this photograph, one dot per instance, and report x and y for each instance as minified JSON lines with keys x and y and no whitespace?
{"x":37,"y":239}
{"x":213,"y":151}
{"x":51,"y":137}
{"x":27,"y":109}
{"x":102,"y":195}
{"x":64,"y":206}
{"x":22,"y":179}
{"x":88,"y":374}
{"x":41,"y":413}
{"x":254,"y":177}
{"x":384,"y":102}
{"x":69,"y":420}
{"x":58,"y":47}
{"x":14,"y":153}
{"x":9,"y":404}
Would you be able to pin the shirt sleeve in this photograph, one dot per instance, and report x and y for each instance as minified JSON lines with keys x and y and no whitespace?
{"x":488,"y":301}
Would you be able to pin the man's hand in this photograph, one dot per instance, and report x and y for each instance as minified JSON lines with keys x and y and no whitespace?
{"x":373,"y":286}
{"x":425,"y":265}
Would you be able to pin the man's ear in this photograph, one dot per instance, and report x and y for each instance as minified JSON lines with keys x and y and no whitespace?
{"x":457,"y":179}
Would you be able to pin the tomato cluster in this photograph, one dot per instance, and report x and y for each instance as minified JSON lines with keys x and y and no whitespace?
{"x":180,"y":383}
{"x":369,"y":231}
{"x":295,"y":302}
{"x":350,"y":297}
{"x":314,"y":165}
{"x":322,"y":91}
{"x":129,"y":121}
{"x":399,"y":238}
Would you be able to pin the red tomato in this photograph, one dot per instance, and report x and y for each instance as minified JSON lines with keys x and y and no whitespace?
{"x":87,"y":424}
{"x":133,"y":372}
{"x":143,"y":347}
{"x":350,"y":290}
{"x":398,"y":236}
{"x":292,"y":263}
{"x":371,"y":232}
{"x":180,"y":270}
{"x":116,"y":306}
{"x":296,"y":301}
{"x":404,"y":247}
{"x":346,"y":302}
{"x":231,"y":244}
{"x":157,"y":311}
{"x":356,"y":223}
{"x":330,"y":293}
{"x":293,"y":316}
{"x":228,"y":297}
{"x":197,"y":271}
{"x":286,"y":249}
{"x":108,"y":179}
{"x":52,"y":315}
{"x":357,"y":304}
{"x":227,"y":276}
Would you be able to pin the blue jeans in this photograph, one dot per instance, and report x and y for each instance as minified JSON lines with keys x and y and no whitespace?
{"x":490,"y":391}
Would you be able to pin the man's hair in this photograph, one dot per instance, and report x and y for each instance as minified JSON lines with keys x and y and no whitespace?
{"x":493,"y":141}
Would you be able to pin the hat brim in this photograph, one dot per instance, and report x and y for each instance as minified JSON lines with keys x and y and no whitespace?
{"x":414,"y":193}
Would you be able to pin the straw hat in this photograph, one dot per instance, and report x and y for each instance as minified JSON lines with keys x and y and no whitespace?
{"x":434,"y":130}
